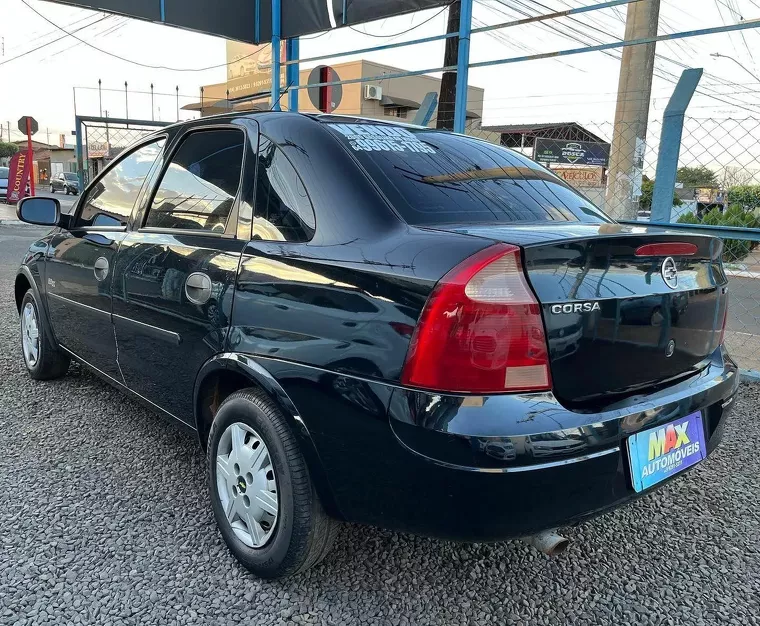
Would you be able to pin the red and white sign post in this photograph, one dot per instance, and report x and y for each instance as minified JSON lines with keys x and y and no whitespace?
{"x":29,"y":150}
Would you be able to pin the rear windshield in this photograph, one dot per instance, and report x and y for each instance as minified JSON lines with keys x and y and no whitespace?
{"x":437,"y":177}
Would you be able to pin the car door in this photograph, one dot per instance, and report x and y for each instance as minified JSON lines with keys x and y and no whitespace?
{"x":55,"y":182}
{"x":175,"y":271}
{"x":79,"y":260}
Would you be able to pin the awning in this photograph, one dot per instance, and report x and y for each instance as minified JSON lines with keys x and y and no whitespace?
{"x":401,"y":103}
{"x":471,"y":115}
{"x":223,"y":106}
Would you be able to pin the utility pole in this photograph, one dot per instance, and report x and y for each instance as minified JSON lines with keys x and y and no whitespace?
{"x":632,"y":111}
{"x":445,"y":118}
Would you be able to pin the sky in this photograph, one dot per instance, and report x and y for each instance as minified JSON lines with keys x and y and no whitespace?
{"x":42,"y":81}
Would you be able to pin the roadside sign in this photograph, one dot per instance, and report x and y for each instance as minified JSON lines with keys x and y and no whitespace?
{"x":19,"y":173}
{"x":33,"y":124}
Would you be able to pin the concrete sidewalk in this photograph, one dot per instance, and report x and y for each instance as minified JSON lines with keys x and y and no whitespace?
{"x":8,"y":215}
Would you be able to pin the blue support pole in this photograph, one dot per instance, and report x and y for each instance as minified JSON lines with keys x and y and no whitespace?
{"x":426,"y":110}
{"x":162,"y":9}
{"x":463,"y":65}
{"x":292,"y":72}
{"x":276,"y":19}
{"x":670,"y":145}
{"x":80,"y":151}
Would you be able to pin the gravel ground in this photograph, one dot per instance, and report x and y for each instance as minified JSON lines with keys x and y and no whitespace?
{"x":104,"y":519}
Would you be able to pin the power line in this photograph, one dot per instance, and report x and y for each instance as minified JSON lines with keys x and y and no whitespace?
{"x":408,"y":30}
{"x":138,"y":63}
{"x":23,"y":54}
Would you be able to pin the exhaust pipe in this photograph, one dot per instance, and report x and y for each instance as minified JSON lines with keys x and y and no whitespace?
{"x":548,"y":542}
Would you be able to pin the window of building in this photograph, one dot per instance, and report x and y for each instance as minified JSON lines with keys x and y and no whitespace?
{"x":199,"y":187}
{"x":283,"y":211}
{"x":110,"y":201}
{"x":396,"y":112}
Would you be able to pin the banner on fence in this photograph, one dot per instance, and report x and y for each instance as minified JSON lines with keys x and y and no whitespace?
{"x":581,"y":176}
{"x":571,"y":152}
{"x":18,"y":176}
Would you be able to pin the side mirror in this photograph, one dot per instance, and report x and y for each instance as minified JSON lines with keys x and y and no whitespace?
{"x":40,"y":211}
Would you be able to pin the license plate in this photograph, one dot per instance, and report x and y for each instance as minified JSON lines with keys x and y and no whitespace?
{"x":661,"y":452}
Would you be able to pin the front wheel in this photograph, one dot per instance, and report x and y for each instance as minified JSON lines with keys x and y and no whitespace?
{"x":262,"y":496}
{"x":43,"y":360}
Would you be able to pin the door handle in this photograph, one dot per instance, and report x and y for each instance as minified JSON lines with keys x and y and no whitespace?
{"x":198,"y":288}
{"x":101,"y":269}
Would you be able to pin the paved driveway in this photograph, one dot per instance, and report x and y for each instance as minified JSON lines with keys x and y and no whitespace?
{"x":104,"y":519}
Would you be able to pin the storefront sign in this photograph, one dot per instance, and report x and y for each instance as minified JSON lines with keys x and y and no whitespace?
{"x":97,"y":149}
{"x":571,"y":152}
{"x":18,"y":176}
{"x":581,"y":176}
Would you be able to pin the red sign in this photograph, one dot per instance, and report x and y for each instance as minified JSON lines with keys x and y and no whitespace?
{"x":18,"y":176}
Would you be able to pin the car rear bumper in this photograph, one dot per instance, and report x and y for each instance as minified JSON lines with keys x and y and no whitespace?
{"x":467,"y":468}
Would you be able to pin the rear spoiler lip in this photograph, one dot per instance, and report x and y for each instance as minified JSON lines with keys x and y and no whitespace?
{"x":722,"y":232}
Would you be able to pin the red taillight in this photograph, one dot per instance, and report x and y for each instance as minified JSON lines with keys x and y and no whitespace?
{"x":670,"y":248}
{"x":480,"y":330}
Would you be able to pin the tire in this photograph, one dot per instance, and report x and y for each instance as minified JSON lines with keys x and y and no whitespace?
{"x":48,"y":362}
{"x":52,"y":189}
{"x":302,"y":534}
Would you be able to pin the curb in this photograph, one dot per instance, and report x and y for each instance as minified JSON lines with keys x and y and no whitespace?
{"x":4,"y":222}
{"x":742,"y":274}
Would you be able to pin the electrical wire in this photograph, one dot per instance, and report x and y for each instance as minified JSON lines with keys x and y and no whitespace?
{"x":408,"y":30}
{"x":138,"y":63}
{"x":44,"y":45}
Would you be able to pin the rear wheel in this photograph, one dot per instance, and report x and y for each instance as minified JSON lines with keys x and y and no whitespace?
{"x":261,"y":493}
{"x":43,"y":360}
{"x":52,"y":189}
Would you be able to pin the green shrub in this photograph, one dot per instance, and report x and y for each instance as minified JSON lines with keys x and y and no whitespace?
{"x":688,"y":218}
{"x":746,"y":196}
{"x":733,"y":249}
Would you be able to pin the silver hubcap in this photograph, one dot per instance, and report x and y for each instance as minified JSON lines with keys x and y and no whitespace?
{"x":30,"y":334}
{"x":246,"y":484}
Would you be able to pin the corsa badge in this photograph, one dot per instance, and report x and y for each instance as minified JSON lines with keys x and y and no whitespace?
{"x":575,"y":307}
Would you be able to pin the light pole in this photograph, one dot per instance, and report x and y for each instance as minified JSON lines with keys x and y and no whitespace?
{"x":718,"y":55}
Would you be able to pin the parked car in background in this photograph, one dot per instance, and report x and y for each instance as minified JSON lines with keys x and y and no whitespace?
{"x":381,"y":323}
{"x":4,"y":173}
{"x":67,"y":182}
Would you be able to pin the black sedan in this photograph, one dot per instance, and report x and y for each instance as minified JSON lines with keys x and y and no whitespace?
{"x":384,"y":324}
{"x":66,"y":182}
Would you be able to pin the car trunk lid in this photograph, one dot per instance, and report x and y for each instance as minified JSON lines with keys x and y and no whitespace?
{"x":622,"y":312}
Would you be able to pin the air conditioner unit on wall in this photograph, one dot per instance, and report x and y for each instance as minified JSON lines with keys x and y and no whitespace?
{"x":373,"y":92}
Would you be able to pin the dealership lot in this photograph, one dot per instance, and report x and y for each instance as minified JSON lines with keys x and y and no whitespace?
{"x":104,"y":519}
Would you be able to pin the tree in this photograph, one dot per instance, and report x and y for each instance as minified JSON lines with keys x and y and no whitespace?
{"x":7,"y":149}
{"x":736,"y":177}
{"x":700,"y":176}
{"x":647,"y":191}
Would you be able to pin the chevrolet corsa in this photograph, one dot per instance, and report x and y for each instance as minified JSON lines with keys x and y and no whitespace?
{"x":383,"y":324}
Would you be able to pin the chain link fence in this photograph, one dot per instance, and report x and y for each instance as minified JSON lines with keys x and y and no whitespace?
{"x":104,"y":140}
{"x":718,"y":184}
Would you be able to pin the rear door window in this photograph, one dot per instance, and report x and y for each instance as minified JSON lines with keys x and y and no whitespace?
{"x":436,"y":177}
